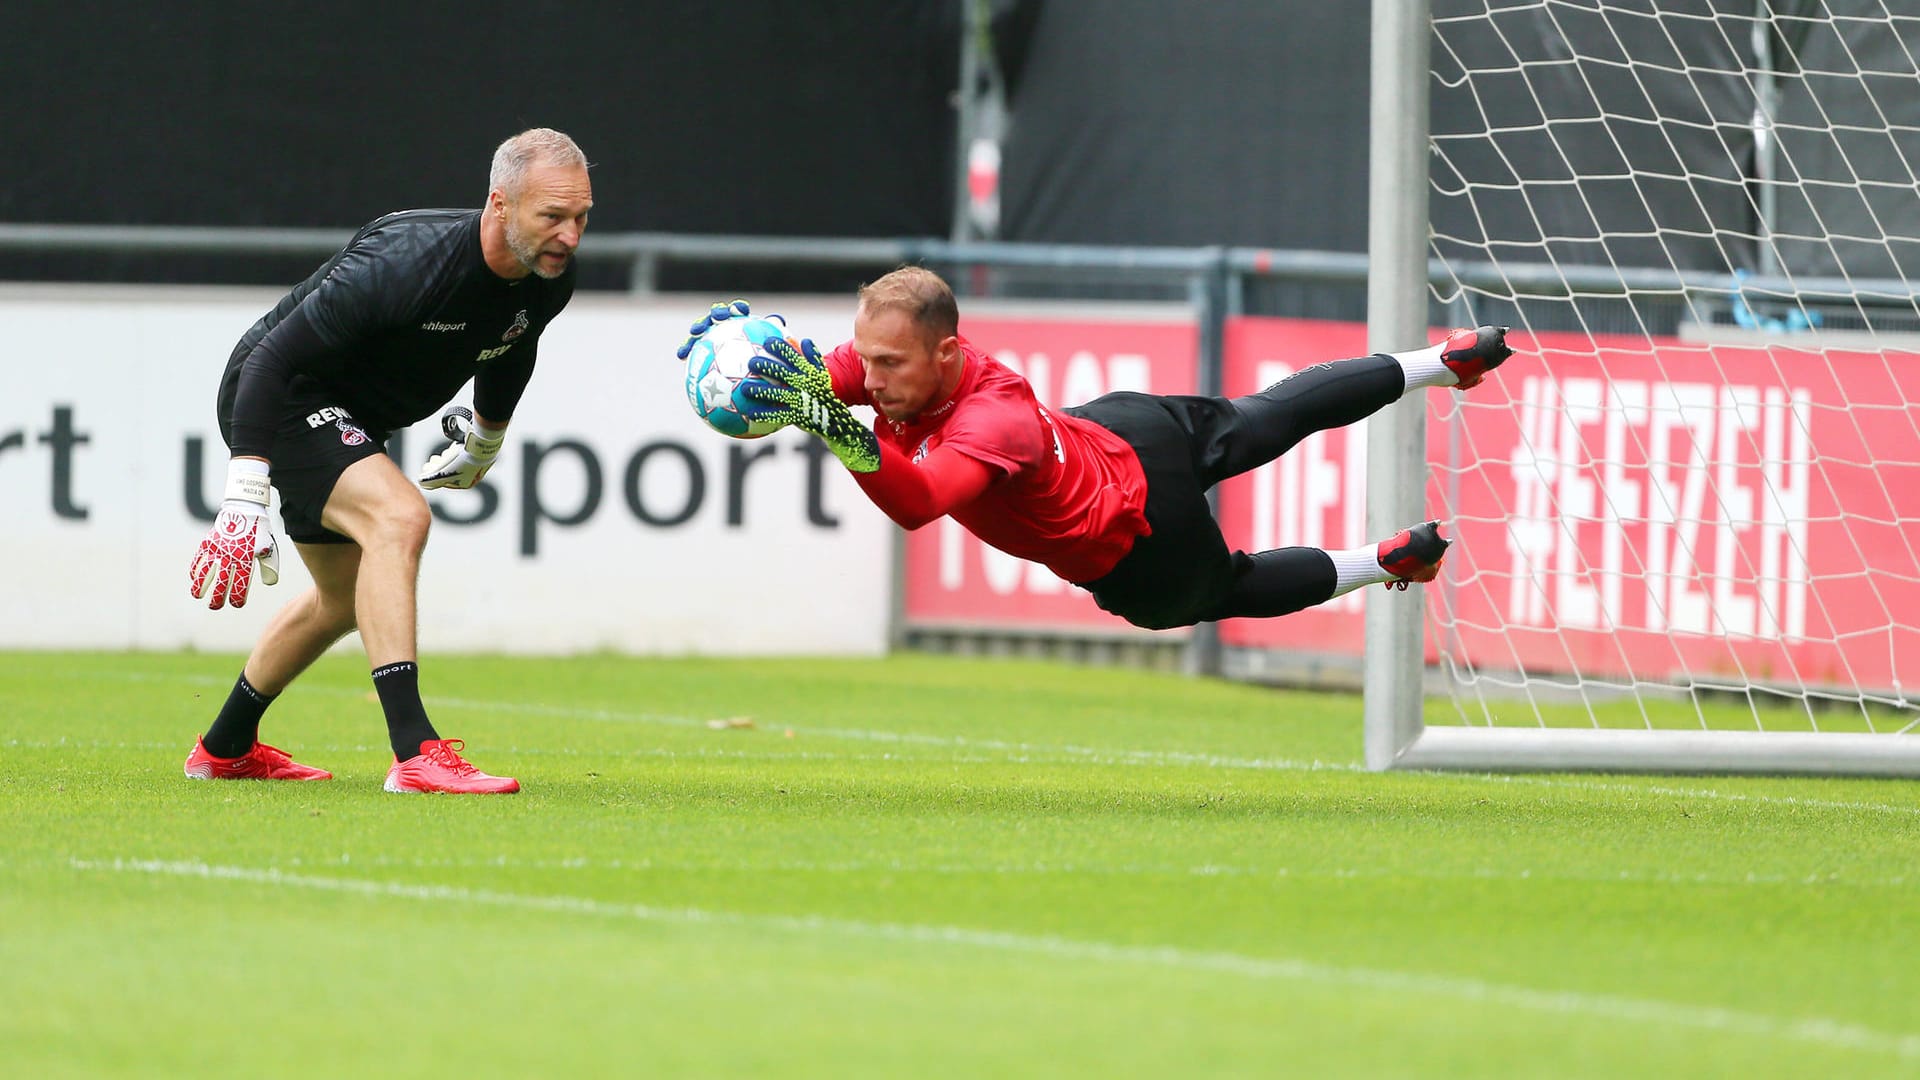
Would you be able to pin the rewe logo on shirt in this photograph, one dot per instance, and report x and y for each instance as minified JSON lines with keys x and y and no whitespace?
{"x":521,"y":324}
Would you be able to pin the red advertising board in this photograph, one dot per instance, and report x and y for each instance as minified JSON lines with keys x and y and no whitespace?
{"x":954,"y":579}
{"x":1313,"y":496}
{"x":1624,"y":509}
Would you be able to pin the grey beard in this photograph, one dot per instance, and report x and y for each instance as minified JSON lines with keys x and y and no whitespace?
{"x":529,"y":255}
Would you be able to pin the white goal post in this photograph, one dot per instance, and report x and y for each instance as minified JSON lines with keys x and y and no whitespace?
{"x":1688,"y":517}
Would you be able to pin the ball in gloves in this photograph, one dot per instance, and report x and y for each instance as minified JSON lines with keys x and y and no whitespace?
{"x":717,"y":369}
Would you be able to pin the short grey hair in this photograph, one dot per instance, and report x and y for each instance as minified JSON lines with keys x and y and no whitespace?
{"x":534,"y":146}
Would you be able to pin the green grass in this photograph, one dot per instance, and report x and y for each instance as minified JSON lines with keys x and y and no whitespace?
{"x":947,"y":867}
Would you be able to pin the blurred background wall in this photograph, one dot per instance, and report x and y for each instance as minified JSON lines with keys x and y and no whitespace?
{"x":1238,"y":122}
{"x":1135,"y":121}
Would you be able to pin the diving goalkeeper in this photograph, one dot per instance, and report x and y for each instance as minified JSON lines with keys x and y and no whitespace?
{"x":1110,"y":495}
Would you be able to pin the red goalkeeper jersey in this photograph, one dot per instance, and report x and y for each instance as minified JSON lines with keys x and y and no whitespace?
{"x":1066,"y":492}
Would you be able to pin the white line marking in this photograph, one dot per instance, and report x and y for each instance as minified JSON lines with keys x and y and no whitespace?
{"x":1818,"y":1030}
{"x":1096,"y":755}
{"x":1688,"y":793}
{"x":1163,"y":870}
{"x":1091,"y":755}
{"x":745,"y":752}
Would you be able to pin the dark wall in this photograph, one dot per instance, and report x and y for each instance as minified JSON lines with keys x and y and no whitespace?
{"x":1849,"y":149}
{"x":746,"y":116}
{"x":1540,"y":158}
{"x":1133,"y":122}
{"x":1223,"y":122}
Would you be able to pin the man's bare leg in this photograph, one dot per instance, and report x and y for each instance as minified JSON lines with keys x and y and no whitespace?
{"x":387,"y":516}
{"x":388,"y":519}
{"x":311,"y":623}
{"x":293,"y":640}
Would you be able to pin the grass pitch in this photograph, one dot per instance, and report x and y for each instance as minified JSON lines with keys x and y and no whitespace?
{"x":915,"y":866}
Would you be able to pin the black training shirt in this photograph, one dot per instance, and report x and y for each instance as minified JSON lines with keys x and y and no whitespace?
{"x":390,"y":329}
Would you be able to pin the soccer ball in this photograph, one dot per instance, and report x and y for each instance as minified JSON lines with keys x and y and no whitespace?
{"x":717,"y":371}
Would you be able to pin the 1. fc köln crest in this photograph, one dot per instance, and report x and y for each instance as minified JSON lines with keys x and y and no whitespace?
{"x":520,"y":324}
{"x":350,"y":434}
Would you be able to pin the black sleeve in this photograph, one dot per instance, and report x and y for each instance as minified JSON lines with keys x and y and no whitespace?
{"x":498,"y":385}
{"x":354,"y":301}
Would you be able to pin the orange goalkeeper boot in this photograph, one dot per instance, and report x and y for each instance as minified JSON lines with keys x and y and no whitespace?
{"x":263,"y":762}
{"x":440,"y":768}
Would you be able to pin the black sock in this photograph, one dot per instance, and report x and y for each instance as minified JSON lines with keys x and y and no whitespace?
{"x":237,"y":727}
{"x":407,"y":723}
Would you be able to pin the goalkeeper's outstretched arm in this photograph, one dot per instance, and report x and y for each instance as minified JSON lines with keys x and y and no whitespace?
{"x":916,"y":494}
{"x":795,"y":387}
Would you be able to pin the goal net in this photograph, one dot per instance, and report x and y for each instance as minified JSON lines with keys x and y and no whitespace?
{"x":1689,"y":512}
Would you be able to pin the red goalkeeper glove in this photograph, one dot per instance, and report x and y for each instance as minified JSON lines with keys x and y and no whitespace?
{"x":242,"y":534}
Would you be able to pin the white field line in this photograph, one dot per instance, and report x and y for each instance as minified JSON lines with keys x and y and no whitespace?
{"x":1093,"y":755}
{"x":1103,"y":756}
{"x":1816,"y":1030}
{"x":319,"y":750}
{"x":1689,"y":793}
{"x":1082,"y":869}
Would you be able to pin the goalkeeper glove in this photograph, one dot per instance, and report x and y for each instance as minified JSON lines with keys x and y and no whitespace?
{"x":717,"y":313}
{"x":222,"y":570}
{"x":795,"y":387}
{"x":474,"y":448}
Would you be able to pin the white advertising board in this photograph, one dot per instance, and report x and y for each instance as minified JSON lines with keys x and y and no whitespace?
{"x":614,"y":519}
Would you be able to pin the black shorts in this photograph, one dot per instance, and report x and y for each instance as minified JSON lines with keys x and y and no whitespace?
{"x":1182,"y":570}
{"x":1183,"y":573}
{"x":316,"y":441}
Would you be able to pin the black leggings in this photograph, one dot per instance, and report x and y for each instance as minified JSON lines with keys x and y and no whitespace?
{"x":1182,"y":573}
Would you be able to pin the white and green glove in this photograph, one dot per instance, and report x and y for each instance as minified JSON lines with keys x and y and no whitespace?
{"x":795,"y":387}
{"x":472,"y":453}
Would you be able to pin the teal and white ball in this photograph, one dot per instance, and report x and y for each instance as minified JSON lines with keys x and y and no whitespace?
{"x":717,"y":371}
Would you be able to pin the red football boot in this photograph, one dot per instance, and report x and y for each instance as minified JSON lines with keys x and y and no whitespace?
{"x":263,"y":762}
{"x":439,"y":767}
{"x":1413,"y":554}
{"x":1470,"y":354}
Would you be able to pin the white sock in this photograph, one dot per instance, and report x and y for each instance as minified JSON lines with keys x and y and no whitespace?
{"x":1357,"y":567}
{"x":1424,"y":368}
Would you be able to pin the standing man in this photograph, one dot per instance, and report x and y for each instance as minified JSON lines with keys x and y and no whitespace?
{"x":378,"y":338}
{"x":1110,"y":495}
